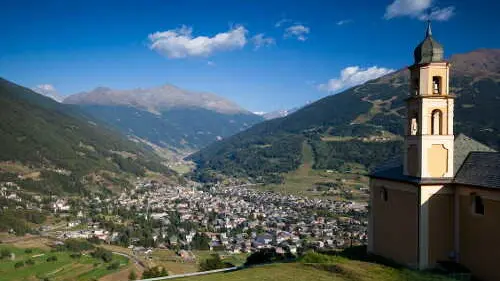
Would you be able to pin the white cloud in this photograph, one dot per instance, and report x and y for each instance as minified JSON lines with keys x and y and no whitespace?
{"x":437,"y":14}
{"x":47,"y":90}
{"x":342,"y":22}
{"x":352,"y":76}
{"x":180,"y":43}
{"x":418,"y":9}
{"x":282,"y":22}
{"x":298,"y":31}
{"x":260,"y":40}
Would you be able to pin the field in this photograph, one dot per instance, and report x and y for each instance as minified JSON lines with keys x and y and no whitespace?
{"x":64,"y":267}
{"x":306,"y":181}
{"x":336,"y":269}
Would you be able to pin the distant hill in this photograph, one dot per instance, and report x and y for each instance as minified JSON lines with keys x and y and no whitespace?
{"x":48,"y":146}
{"x":167,"y":116}
{"x":360,"y":126}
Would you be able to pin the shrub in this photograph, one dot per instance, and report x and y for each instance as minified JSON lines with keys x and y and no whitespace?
{"x":114,"y":266}
{"x":154,"y":272}
{"x":132,"y":275}
{"x":75,"y":255}
{"x":28,"y":251}
{"x":4,"y":253}
{"x":19,"y":264}
{"x":52,"y":258}
{"x":30,"y":262}
{"x":266,"y":256}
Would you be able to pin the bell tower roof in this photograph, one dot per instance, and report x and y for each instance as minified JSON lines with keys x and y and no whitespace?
{"x":429,"y":50}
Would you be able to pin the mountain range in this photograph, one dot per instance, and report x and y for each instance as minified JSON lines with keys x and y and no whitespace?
{"x":166,"y":116}
{"x":358,"y":128}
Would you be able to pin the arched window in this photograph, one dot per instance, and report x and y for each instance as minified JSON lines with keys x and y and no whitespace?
{"x":436,"y":122}
{"x":436,"y":85}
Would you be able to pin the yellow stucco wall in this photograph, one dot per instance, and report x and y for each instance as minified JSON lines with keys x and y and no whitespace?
{"x":395,"y":232}
{"x":479,"y":234}
{"x":440,"y":227}
{"x":437,"y":160}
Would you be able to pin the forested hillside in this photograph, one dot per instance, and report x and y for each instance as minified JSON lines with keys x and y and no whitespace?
{"x":362,"y":125}
{"x":47,"y":146}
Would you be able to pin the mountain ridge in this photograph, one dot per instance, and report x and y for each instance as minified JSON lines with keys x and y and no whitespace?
{"x":167,"y":116}
{"x":155,"y":99}
{"x":347,"y":128}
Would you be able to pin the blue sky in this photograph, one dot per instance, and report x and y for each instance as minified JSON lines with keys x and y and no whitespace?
{"x":264,"y":55}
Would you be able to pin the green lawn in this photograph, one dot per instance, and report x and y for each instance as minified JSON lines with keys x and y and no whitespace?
{"x":64,"y":268}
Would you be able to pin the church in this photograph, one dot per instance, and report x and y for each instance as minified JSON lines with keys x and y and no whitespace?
{"x":442,"y":203}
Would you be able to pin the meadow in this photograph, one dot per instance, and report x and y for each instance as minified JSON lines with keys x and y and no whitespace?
{"x":42,"y":264}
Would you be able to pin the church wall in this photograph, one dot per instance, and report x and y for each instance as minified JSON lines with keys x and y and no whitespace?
{"x":479,"y":234}
{"x":394,"y":234}
{"x":440,"y":227}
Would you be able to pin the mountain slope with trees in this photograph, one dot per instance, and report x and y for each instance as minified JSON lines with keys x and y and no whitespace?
{"x":362,"y":125}
{"x":61,"y":148}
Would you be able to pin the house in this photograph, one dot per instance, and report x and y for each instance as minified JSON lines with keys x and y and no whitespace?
{"x":443,"y":202}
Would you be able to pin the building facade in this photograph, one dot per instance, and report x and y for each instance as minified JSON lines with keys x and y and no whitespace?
{"x":442,"y":203}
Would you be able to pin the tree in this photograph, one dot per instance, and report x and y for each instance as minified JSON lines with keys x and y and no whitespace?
{"x":4,"y":253}
{"x":132,"y":275}
{"x":200,"y":242}
{"x":101,"y":253}
{"x":214,"y":262}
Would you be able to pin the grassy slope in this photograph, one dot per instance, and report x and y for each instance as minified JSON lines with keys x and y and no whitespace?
{"x":302,"y":180}
{"x":340,"y":270}
{"x":65,"y":268}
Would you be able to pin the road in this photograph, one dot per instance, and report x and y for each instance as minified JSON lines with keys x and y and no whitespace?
{"x":136,"y":261}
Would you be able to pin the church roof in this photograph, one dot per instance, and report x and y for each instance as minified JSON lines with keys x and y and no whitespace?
{"x":464,"y":148}
{"x":429,"y":50}
{"x":464,"y":145}
{"x":480,"y":169}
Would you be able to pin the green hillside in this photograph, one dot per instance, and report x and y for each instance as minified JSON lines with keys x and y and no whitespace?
{"x":47,"y":146}
{"x":336,"y":269}
{"x":362,"y":125}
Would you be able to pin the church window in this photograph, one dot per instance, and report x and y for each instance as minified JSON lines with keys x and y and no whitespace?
{"x":477,"y":204}
{"x":436,"y":85}
{"x":383,"y":194}
{"x":436,"y":122}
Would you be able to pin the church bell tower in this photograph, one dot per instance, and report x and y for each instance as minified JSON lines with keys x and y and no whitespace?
{"x":429,"y":136}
